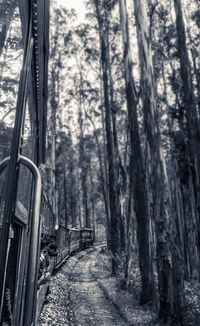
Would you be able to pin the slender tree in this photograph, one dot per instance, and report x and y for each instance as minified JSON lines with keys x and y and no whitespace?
{"x":137,"y":178}
{"x":102,"y":18}
{"x":159,"y":181}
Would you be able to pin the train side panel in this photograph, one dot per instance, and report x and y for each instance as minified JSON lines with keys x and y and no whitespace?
{"x":63,"y":245}
{"x":86,"y":238}
{"x":74,"y":235}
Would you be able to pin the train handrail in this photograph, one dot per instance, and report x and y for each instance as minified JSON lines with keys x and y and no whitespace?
{"x":4,"y":163}
{"x":31,"y":290}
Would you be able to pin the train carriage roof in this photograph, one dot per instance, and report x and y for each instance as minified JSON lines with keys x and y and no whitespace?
{"x":74,"y":229}
{"x":86,"y":229}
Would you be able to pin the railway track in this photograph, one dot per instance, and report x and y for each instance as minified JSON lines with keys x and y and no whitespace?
{"x":84,"y":294}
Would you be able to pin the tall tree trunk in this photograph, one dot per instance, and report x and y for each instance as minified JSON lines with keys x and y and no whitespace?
{"x":54,"y":102}
{"x":159,"y":180}
{"x":82,"y":162}
{"x":105,"y":162}
{"x":113,"y":200}
{"x":179,"y":254}
{"x":118,"y":161}
{"x":52,"y":140}
{"x":82,"y":155}
{"x":191,"y":129}
{"x":103,"y":177}
{"x":137,"y":179}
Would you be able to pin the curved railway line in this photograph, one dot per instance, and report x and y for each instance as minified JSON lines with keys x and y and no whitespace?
{"x":84,"y":293}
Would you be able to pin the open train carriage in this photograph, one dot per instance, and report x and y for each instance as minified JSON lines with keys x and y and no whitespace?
{"x":48,"y":251}
{"x":74,"y":236}
{"x":24,"y":27}
{"x":63,"y":245}
{"x":86,"y":238}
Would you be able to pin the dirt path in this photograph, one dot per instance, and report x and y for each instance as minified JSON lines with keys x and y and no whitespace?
{"x":89,"y":301}
{"x":83,"y":293}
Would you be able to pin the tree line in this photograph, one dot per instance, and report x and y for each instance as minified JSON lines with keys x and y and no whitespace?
{"x":123,"y":139}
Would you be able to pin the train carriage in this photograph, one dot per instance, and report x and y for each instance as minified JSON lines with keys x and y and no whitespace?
{"x":86,"y":238}
{"x":74,"y":234}
{"x":24,"y":35}
{"x":63,"y":245}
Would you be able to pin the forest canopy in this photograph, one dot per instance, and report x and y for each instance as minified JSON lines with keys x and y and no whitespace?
{"x":123,"y":154}
{"x":124,"y":121}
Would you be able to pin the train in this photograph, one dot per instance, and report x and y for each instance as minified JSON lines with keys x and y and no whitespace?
{"x":55,"y":248}
{"x":24,"y":40}
{"x":32,"y":245}
{"x":57,"y":244}
{"x":70,"y":240}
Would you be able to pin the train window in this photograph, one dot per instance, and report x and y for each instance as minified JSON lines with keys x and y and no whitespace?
{"x":11,"y":58}
{"x":28,"y":134}
{"x":25,"y":185}
{"x":66,"y":236}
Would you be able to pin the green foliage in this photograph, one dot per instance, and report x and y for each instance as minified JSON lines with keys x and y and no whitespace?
{"x":5,"y":140}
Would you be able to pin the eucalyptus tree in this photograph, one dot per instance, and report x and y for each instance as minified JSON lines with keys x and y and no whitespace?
{"x":159,"y":180}
{"x":102,"y":11}
{"x":82,"y":104}
{"x":176,"y":96}
{"x":7,"y":9}
{"x":92,"y":109}
{"x":178,"y":48}
{"x":114,"y":147}
{"x":60,"y":22}
{"x":190,"y":123}
{"x":137,"y":174}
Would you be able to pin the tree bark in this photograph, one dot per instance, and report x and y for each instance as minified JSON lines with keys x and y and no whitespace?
{"x":159,"y":180}
{"x":113,"y":200}
{"x":137,"y":179}
{"x":191,"y":128}
{"x":103,"y":178}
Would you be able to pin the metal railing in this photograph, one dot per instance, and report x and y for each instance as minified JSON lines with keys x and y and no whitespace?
{"x":33,"y":254}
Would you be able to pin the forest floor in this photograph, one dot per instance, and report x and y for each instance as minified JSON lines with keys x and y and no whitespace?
{"x":84,"y":293}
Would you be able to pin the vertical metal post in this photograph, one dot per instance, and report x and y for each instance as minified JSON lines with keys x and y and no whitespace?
{"x":12,"y":179}
{"x":32,"y":273}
